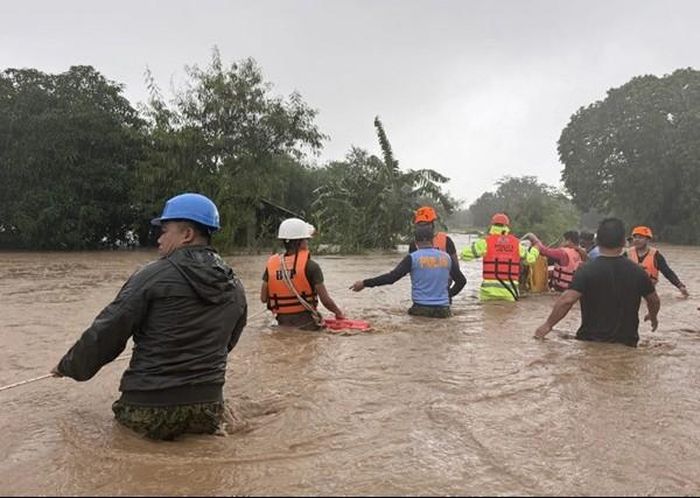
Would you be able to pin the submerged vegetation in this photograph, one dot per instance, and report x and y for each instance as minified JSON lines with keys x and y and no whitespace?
{"x":83,"y":168}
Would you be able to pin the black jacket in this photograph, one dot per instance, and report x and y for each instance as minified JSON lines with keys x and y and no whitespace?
{"x":185,"y":313}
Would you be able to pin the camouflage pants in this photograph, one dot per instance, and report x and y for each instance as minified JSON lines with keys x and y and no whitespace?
{"x":430,"y":311}
{"x":168,"y":422}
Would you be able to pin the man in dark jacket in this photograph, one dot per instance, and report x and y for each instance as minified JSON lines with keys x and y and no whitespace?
{"x":185,"y":313}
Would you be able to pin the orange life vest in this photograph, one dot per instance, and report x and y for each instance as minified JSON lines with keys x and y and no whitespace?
{"x":502,"y":258}
{"x":440,"y":241}
{"x":280,"y":299}
{"x":562,"y":276}
{"x":648,"y":263}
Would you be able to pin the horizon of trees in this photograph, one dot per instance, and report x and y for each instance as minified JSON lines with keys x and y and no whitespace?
{"x":83,"y":168}
{"x":531,"y":206}
{"x":636,"y":154}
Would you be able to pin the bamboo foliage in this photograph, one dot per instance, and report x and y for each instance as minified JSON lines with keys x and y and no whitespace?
{"x":368,"y":202}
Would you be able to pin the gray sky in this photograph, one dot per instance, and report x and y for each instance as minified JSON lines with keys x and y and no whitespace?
{"x":473,"y":89}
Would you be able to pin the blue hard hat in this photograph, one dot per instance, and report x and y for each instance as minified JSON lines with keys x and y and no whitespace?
{"x":192,"y":207}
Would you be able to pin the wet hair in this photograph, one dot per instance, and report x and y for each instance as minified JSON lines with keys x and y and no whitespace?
{"x":587,"y":236}
{"x":611,"y":233}
{"x":292,"y":245}
{"x":571,"y":236}
{"x":424,"y":232}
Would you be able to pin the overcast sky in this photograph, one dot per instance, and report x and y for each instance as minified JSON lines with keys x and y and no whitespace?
{"x":473,"y":89}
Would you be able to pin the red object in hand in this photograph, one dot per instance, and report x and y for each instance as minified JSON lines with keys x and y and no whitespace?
{"x":335,"y":324}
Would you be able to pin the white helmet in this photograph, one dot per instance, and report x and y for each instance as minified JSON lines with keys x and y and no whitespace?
{"x":294,"y":229}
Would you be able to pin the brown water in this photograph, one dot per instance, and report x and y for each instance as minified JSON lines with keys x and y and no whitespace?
{"x":467,"y":405}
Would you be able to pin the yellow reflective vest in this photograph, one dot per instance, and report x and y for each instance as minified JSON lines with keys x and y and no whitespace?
{"x":495,"y":289}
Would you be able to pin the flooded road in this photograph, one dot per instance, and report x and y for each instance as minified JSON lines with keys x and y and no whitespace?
{"x":468,"y":405}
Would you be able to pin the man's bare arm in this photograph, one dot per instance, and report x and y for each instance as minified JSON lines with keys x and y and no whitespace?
{"x":560,"y":310}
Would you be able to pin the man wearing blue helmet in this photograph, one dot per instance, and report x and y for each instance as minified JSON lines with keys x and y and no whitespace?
{"x":185,"y":313}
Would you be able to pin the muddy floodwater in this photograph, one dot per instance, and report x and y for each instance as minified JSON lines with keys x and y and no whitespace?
{"x":471,"y":404}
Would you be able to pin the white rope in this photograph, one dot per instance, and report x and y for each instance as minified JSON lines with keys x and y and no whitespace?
{"x":257,"y":314}
{"x":23,"y":382}
{"x":47,"y":376}
{"x":287,"y":280}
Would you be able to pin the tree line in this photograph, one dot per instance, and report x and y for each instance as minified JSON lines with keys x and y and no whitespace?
{"x":634,"y":154}
{"x":82,"y":167}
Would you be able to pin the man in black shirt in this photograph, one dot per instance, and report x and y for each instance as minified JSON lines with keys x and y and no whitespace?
{"x":610,"y":289}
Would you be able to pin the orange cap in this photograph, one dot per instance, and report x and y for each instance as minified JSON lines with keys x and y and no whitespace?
{"x":425,"y":214}
{"x":500,"y":219}
{"x":643,"y":231}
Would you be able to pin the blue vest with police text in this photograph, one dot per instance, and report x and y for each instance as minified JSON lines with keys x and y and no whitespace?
{"x":430,"y":274}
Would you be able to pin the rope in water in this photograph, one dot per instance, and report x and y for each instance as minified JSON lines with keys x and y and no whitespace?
{"x":23,"y":382}
{"x":48,"y":376}
{"x":287,"y":280}
{"x":121,"y":358}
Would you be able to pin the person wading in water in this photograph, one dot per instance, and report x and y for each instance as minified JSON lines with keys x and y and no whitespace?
{"x":426,"y":216}
{"x":430,"y":270}
{"x":293,"y":282}
{"x":651,"y":260}
{"x":185,"y":313}
{"x":503,"y":255}
{"x":610,"y":289}
{"x":567,"y":258}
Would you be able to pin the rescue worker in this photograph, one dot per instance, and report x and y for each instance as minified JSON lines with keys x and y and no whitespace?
{"x":650,"y":259}
{"x":588,"y":244}
{"x":426,"y":215}
{"x":293,"y":283}
{"x":430,"y":270}
{"x":442,"y":241}
{"x":567,"y":259}
{"x":502,"y":255}
{"x":185,"y":313}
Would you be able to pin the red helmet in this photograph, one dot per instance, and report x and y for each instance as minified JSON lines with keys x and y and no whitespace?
{"x":500,"y":219}
{"x":425,"y":214}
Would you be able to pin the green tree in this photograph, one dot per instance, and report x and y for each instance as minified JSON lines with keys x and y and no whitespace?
{"x":226,"y":136}
{"x":69,"y":144}
{"x":637,"y":154}
{"x":366,"y":202}
{"x":531,"y":206}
